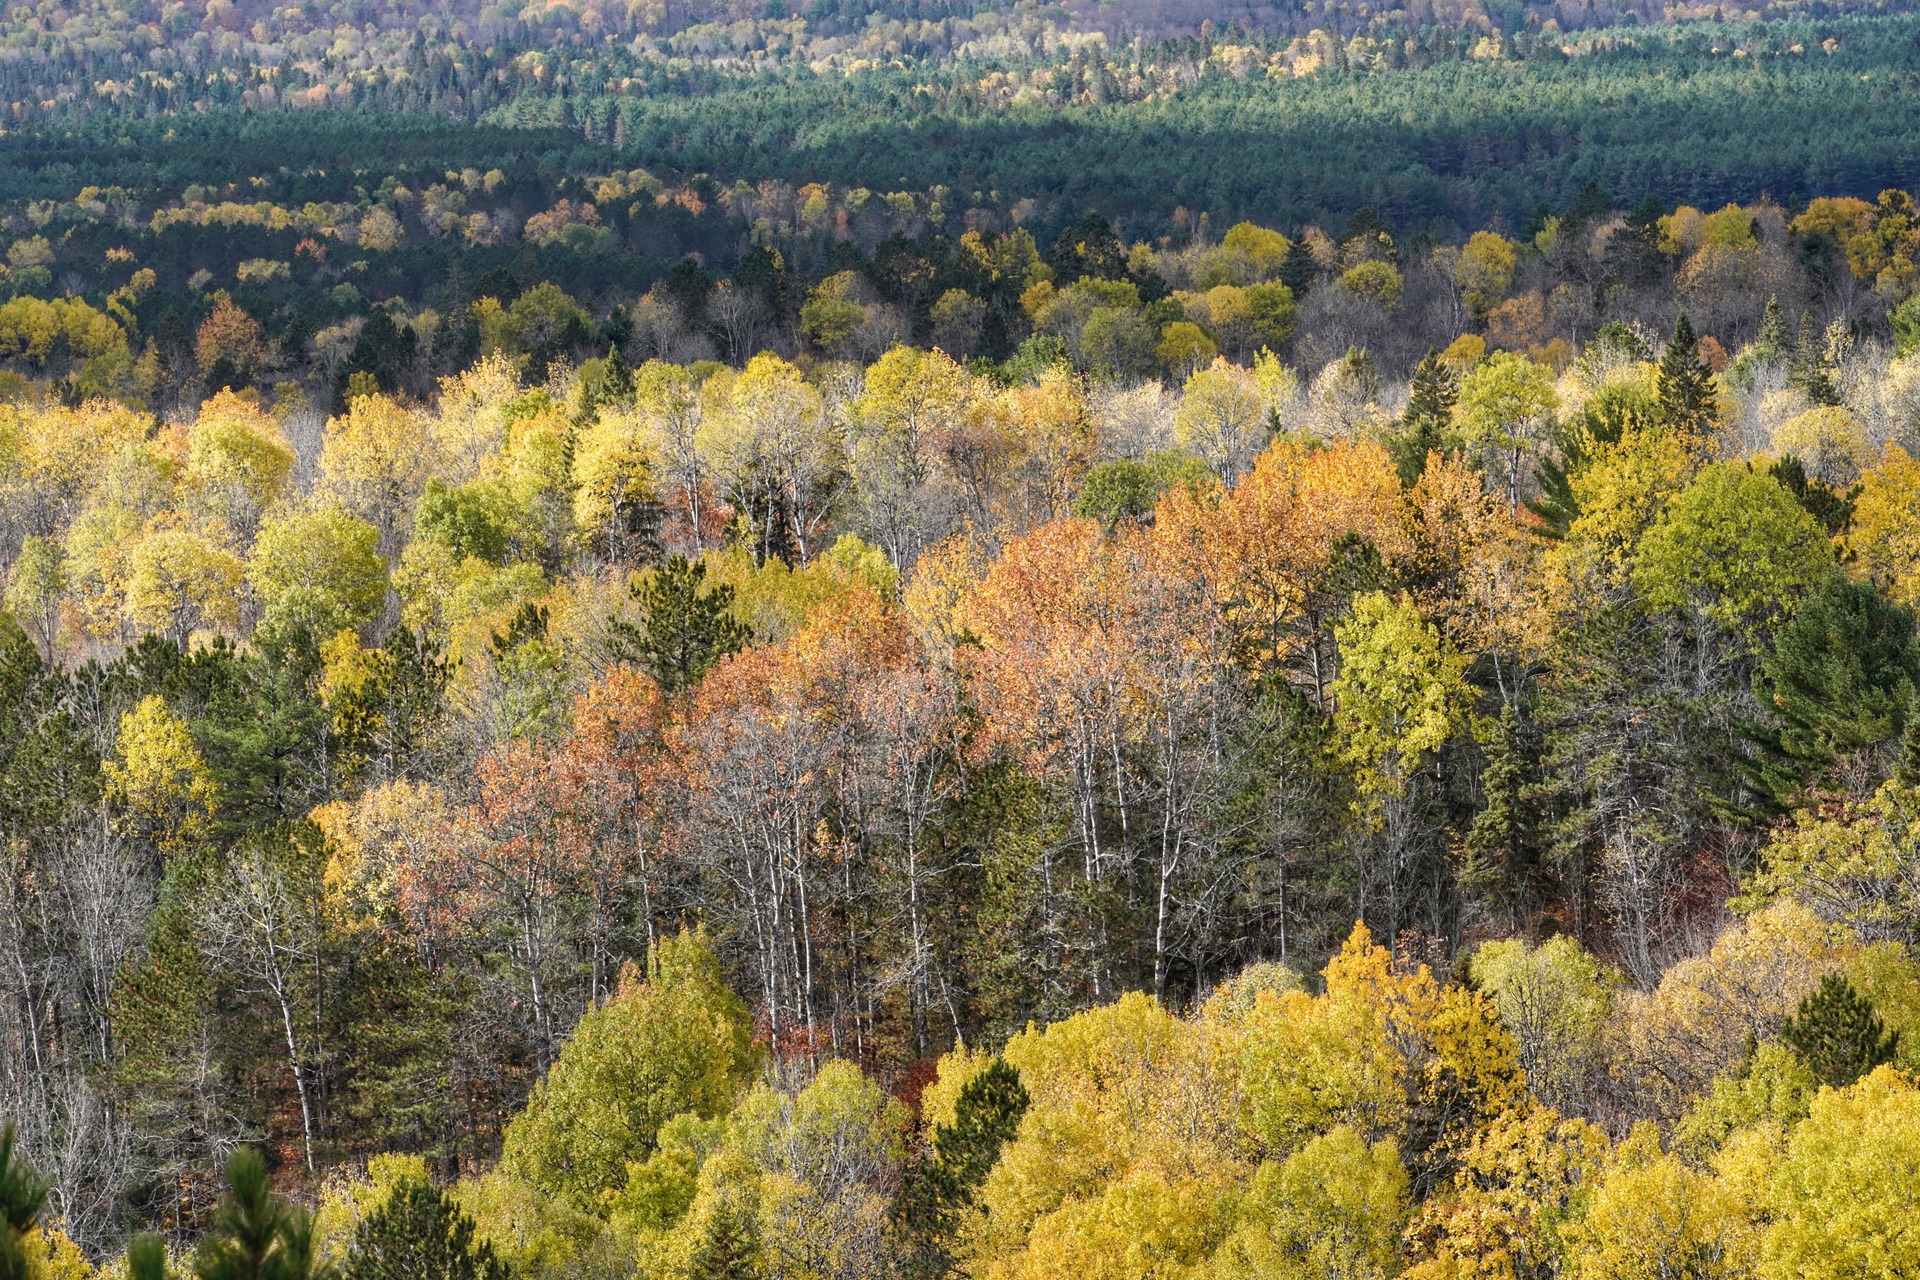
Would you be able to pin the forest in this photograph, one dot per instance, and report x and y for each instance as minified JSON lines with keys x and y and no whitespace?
{"x":1240,"y":754}
{"x":904,"y":640}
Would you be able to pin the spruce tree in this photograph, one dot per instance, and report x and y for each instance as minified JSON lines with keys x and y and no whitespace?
{"x":1504,"y":844}
{"x":420,"y":1234}
{"x":1686,"y":384}
{"x":1772,"y":339}
{"x":1809,"y":369}
{"x":1837,"y":1033}
{"x":686,"y":630}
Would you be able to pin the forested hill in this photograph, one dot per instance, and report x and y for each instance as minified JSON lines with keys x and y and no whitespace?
{"x":1442,"y":134}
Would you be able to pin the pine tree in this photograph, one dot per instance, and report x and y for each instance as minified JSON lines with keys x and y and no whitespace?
{"x":22,"y":1196}
{"x":686,"y":630}
{"x":1687,"y":398}
{"x":1840,"y":678}
{"x":1809,"y":370}
{"x":1430,"y":403}
{"x":420,"y":1234}
{"x":986,"y":1116}
{"x":1772,"y":340}
{"x":256,"y":1235}
{"x":1837,"y":1033}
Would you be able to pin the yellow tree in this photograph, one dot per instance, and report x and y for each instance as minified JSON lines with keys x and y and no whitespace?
{"x":180,"y":581}
{"x":238,"y":463}
{"x":1222,"y":417}
{"x":374,"y":462}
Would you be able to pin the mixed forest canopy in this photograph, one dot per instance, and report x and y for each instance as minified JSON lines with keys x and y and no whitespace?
{"x":700,"y":641}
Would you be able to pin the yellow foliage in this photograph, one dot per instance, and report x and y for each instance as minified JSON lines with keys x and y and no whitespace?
{"x":158,"y":775}
{"x":1843,"y":1198}
{"x":1884,"y":537}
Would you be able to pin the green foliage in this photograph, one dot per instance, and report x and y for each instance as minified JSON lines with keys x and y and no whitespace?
{"x":685,"y":629}
{"x":256,"y":1235}
{"x":1736,"y":546}
{"x":1426,"y":426}
{"x":1837,"y":1034}
{"x":22,"y":1197}
{"x":937,"y":1191}
{"x":1686,"y":388}
{"x":317,"y":572}
{"x":1125,"y":489}
{"x":420,"y":1233}
{"x":1838,"y":680}
{"x":469,"y":520}
{"x":679,"y":1041}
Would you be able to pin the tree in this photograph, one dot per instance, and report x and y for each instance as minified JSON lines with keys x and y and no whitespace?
{"x":1839,"y":680}
{"x":22,"y":1197}
{"x":941,"y":1187}
{"x":256,"y":1235}
{"x":181,"y":581}
{"x":1687,"y":392}
{"x":679,"y":1041}
{"x":685,"y":631}
{"x":1841,"y":1195}
{"x":1506,"y":404}
{"x":1222,"y":418}
{"x":1398,"y":697}
{"x":420,"y":1234}
{"x":1837,"y":1033}
{"x":1735,"y":546}
{"x":317,"y":572}
{"x":1426,"y":426}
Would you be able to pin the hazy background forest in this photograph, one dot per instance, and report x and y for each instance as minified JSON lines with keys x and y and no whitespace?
{"x":1168,"y":640}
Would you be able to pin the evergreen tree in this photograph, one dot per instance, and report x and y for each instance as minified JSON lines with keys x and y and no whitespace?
{"x":685,"y":631}
{"x":726,"y":1251}
{"x":1837,"y":1033}
{"x":146,"y":1257}
{"x":256,"y":1235}
{"x":1686,"y":384}
{"x":1424,"y":426}
{"x":1840,"y":679}
{"x":934,"y":1194}
{"x":1809,"y":370}
{"x":1504,"y":844}
{"x":22,"y":1196}
{"x":420,"y":1234}
{"x":1772,"y":339}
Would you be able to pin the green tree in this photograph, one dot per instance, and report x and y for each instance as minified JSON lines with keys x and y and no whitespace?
{"x":1838,"y":680}
{"x":938,"y":1190}
{"x":1506,"y":404}
{"x":678,"y":1042}
{"x":22,"y":1196}
{"x":1426,"y":425}
{"x":317,"y":571}
{"x":1735,"y":545}
{"x":420,"y":1234}
{"x":1685,"y":383}
{"x":685,"y":630}
{"x":256,"y":1235}
{"x":1837,"y":1033}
